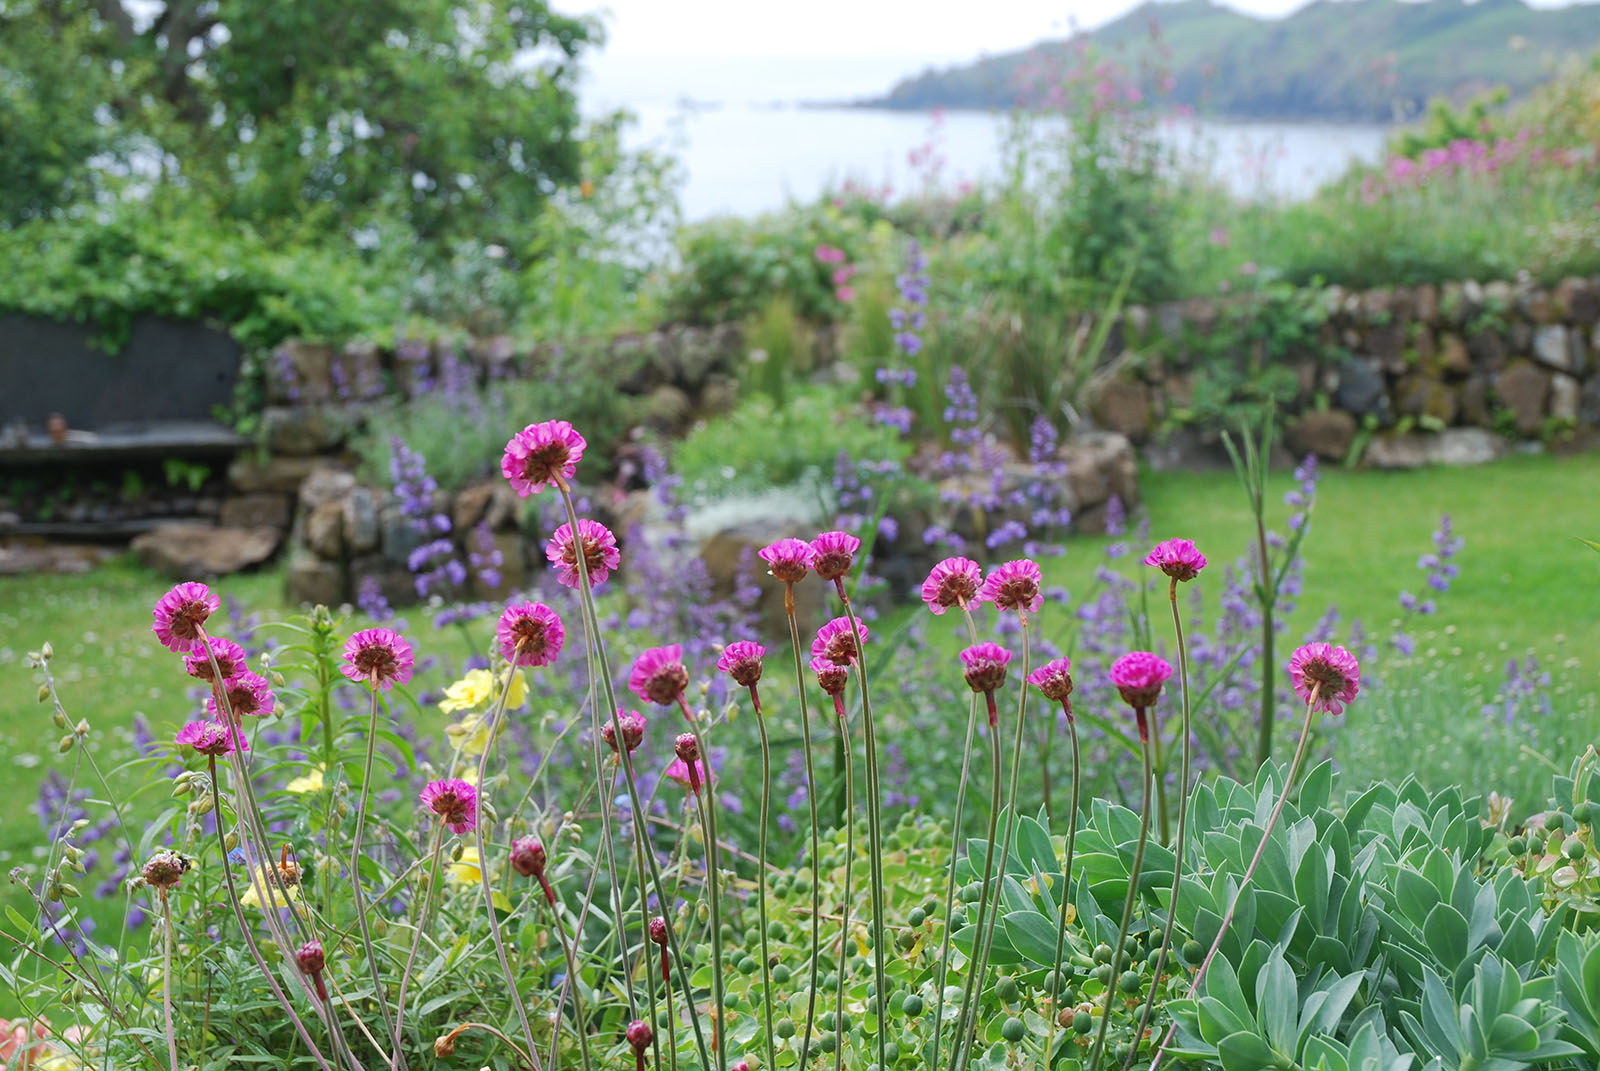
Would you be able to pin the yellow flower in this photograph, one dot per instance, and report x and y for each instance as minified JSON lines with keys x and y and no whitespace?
{"x":468,"y":692}
{"x":466,"y":871}
{"x":249,"y":897}
{"x":311,"y":781}
{"x":470,"y":734}
{"x":478,"y":687}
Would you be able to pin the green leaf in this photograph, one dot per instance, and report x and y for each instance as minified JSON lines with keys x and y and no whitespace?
{"x":1245,"y":1051}
{"x":1032,"y":935}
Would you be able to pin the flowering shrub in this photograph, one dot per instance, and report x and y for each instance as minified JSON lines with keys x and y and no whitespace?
{"x":328,"y":890}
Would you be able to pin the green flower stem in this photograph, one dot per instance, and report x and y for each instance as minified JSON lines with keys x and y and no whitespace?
{"x":707,"y":801}
{"x":955,"y":843}
{"x":635,"y":799}
{"x":166,"y":978}
{"x":1005,"y":843}
{"x":496,"y":715}
{"x":968,"y":985}
{"x":1098,"y":1052}
{"x":761,"y":876}
{"x":843,"y":720}
{"x":1183,"y":822}
{"x":355,"y":867}
{"x":435,"y":846}
{"x":816,"y":827}
{"x":249,"y":935}
{"x":640,"y":847}
{"x":1249,"y":871}
{"x":874,"y":832}
{"x":569,"y":951}
{"x":1066,"y":880}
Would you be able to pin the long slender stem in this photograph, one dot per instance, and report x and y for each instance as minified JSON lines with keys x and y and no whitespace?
{"x":761,"y":877}
{"x":635,"y":799}
{"x":249,"y":937}
{"x":1011,"y":822}
{"x":1269,"y":667}
{"x":970,"y":984}
{"x":640,"y":847}
{"x":435,"y":844}
{"x":166,"y":978}
{"x":707,"y":801}
{"x":495,"y":716}
{"x":1112,"y":984}
{"x":844,"y":909}
{"x":816,"y":828}
{"x":1056,"y":980}
{"x":1249,"y":871}
{"x":357,"y":890}
{"x":874,"y":833}
{"x":569,"y":951}
{"x":1183,"y":821}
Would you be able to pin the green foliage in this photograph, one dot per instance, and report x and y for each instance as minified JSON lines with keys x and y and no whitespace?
{"x":760,"y":445}
{"x":731,"y":267}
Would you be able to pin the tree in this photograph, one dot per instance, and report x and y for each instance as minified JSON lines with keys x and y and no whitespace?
{"x":456,"y":118}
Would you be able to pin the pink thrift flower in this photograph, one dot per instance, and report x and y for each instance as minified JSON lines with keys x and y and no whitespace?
{"x":231,"y":659}
{"x":788,"y":559}
{"x":954,"y":582}
{"x":1139,"y":676}
{"x":835,"y":641}
{"x":1014,"y":586}
{"x":831,"y":676}
{"x":741,"y":660}
{"x":379,"y":657}
{"x":211,"y":738}
{"x":659,"y":675}
{"x":1178,"y":558}
{"x":454,"y":801}
{"x":833,"y":553}
{"x":530,"y":634}
{"x":540,"y":455}
{"x":1054,"y":681}
{"x":633,"y":725}
{"x":1332,"y":670}
{"x":984,"y":666}
{"x":248,"y":695}
{"x":689,"y":768}
{"x":528,"y":856}
{"x":180,"y":616}
{"x":600,"y":553}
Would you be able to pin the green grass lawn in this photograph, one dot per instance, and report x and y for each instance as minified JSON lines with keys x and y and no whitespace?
{"x":1526,"y":584}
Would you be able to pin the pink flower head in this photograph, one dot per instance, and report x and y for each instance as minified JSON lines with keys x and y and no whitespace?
{"x":640,"y":1037}
{"x":163,"y":871}
{"x":454,"y":801}
{"x":600,"y":553}
{"x":832,"y":554}
{"x":984,"y":666}
{"x":659,"y":675}
{"x":180,"y":616}
{"x":953,"y":582}
{"x":1178,"y":558}
{"x":230,"y":659}
{"x":788,"y":559}
{"x":658,"y":931}
{"x":633,"y":725}
{"x":528,"y":856}
{"x":830,"y":675}
{"x":1054,"y":681}
{"x":1331,"y":670}
{"x":837,"y":643}
{"x":689,"y":768}
{"x":211,"y":738}
{"x":530,"y":634}
{"x":378,"y":656}
{"x":541,"y":454}
{"x":1138,"y":676}
{"x":741,"y":660}
{"x":248,"y":694}
{"x":1014,"y":586}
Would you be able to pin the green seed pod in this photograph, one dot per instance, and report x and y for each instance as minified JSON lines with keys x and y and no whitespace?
{"x":1153,"y":957}
{"x":1006,"y":988}
{"x":912,"y":1008}
{"x":917,"y":916}
{"x":748,"y":965}
{"x":59,"y":718}
{"x":66,"y":744}
{"x":1102,"y":973}
{"x":1082,"y":1022}
{"x":785,"y":1028}
{"x":1013,"y":1030}
{"x":1102,"y":953}
{"x":1517,"y":846}
{"x":200,"y":806}
{"x":70,"y":891}
{"x":1573,"y":848}
{"x":1192,"y":951}
{"x":828,"y":1042}
{"x":1130,"y":982}
{"x":182,"y":787}
{"x":781,"y":974}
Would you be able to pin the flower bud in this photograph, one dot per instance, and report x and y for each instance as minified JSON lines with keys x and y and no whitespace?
{"x":658,"y":930}
{"x":70,"y":891}
{"x":47,"y":652}
{"x":201,"y":805}
{"x":528,"y":856}
{"x":82,"y":728}
{"x":44,"y":696}
{"x":182,"y":788}
{"x":66,"y":744}
{"x":59,"y":718}
{"x":231,"y":841}
{"x":640,"y":1035}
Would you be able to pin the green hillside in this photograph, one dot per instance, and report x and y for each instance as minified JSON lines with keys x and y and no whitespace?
{"x":1333,"y":59}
